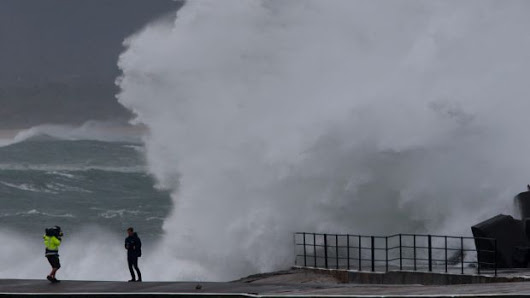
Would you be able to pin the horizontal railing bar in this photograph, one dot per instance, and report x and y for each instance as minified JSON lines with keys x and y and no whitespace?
{"x":340,"y":235}
{"x":437,"y":261}
{"x":441,"y":236}
{"x":393,"y":248}
{"x":396,"y":235}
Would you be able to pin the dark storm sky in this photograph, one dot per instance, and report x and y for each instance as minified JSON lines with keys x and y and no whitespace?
{"x":58,"y":57}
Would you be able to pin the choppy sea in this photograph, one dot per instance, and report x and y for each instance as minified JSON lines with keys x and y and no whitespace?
{"x":78,"y":184}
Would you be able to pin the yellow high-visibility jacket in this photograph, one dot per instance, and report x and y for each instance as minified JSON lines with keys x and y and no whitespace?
{"x":52,"y":244}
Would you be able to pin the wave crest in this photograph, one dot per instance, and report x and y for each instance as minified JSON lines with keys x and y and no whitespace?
{"x":91,"y":130}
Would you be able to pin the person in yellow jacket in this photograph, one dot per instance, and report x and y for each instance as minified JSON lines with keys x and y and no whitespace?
{"x":52,"y":241}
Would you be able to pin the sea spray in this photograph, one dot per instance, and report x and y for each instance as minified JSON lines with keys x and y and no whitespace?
{"x":270,"y":117}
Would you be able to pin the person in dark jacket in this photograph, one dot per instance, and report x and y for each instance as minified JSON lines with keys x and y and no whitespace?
{"x":133,"y":245}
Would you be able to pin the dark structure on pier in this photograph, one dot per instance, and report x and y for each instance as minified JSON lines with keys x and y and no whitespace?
{"x":512,"y":235}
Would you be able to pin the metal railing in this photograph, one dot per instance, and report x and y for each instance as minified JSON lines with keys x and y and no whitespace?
{"x":428,"y":253}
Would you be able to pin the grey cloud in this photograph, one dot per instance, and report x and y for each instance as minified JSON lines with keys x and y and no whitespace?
{"x":58,"y":57}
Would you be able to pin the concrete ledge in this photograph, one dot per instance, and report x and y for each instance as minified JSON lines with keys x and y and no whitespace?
{"x":410,"y":277}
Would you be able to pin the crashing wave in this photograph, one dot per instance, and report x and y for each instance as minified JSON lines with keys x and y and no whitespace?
{"x":268,"y":117}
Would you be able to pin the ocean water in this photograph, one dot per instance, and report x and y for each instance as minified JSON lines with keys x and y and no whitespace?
{"x":77,"y":183}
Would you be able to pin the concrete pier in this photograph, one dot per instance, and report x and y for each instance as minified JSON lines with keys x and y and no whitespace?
{"x":299,"y":283}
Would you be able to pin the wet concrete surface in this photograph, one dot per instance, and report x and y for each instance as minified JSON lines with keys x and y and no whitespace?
{"x":297,"y":283}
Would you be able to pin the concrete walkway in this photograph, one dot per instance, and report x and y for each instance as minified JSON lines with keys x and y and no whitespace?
{"x":36,"y":288}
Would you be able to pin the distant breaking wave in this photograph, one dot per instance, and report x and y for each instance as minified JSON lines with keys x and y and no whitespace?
{"x":35,"y":212}
{"x":27,"y":187}
{"x":91,"y":130}
{"x":49,"y":188}
{"x":61,"y":169}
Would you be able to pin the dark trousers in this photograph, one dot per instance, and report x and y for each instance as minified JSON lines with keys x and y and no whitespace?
{"x":54,"y":261}
{"x":133,"y":262}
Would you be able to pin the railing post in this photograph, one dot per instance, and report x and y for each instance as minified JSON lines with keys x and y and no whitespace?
{"x":295,"y":249}
{"x":462,"y":252}
{"x":445,"y":254}
{"x":348,"y":252}
{"x":326,"y":250}
{"x":478,"y":258}
{"x":337,"y":250}
{"x":495,"y":258}
{"x":386,"y":253}
{"x":414,"y":245}
{"x":373,"y":253}
{"x":400,"y":254}
{"x":430,"y":252}
{"x":315,"y":248}
{"x":360,"y":253}
{"x":305,"y":253}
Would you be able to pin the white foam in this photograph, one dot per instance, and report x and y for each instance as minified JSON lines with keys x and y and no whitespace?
{"x":62,"y":174}
{"x":59,"y":187}
{"x":27,"y":187}
{"x":37,"y":212}
{"x":137,"y":148}
{"x":268,"y":117}
{"x":80,"y":259}
{"x":117,"y":213}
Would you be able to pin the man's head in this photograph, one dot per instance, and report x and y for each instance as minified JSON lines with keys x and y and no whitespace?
{"x":130,"y":231}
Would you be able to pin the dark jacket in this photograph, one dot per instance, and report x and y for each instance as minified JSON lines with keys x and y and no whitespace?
{"x":133,"y":246}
